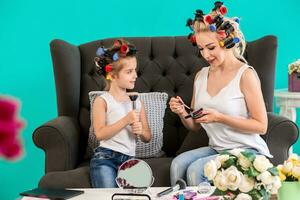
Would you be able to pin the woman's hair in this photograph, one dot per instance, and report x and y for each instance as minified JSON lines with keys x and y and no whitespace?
{"x":109,"y":60}
{"x":227,"y":29}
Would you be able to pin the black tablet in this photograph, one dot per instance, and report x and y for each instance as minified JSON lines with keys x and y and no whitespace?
{"x":52,"y":193}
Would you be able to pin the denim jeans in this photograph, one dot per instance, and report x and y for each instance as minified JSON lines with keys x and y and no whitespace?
{"x":190,"y":165}
{"x":104,"y":167}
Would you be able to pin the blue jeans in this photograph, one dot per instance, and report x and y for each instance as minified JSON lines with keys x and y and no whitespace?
{"x":104,"y":167}
{"x":190,"y":165}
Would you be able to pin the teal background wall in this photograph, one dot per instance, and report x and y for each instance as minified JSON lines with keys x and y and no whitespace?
{"x":27,"y":27}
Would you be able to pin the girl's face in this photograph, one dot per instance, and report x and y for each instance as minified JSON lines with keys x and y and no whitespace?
{"x":126,"y":77}
{"x":210,"y":49}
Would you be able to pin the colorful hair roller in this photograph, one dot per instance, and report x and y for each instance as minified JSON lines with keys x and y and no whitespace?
{"x":96,"y":60}
{"x":222,"y":34}
{"x":117,"y":43}
{"x":108,"y":68}
{"x":208,"y":19}
{"x":229,"y":42}
{"x":219,"y":7}
{"x":199,"y":15}
{"x":223,"y":10}
{"x":237,"y":20}
{"x":218,"y":4}
{"x":132,"y":50}
{"x":100,"y":51}
{"x":236,"y":40}
{"x":227,"y":27}
{"x":124,"y":49}
{"x":189,"y":23}
{"x":108,"y":77}
{"x":115,"y":57}
{"x":218,"y":20}
{"x":212,"y":28}
{"x":192,"y":38}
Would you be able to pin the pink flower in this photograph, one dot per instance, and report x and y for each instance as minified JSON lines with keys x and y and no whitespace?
{"x":10,"y":125}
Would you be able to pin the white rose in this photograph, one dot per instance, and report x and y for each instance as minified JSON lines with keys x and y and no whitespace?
{"x":243,"y":196}
{"x":261,"y":163}
{"x":236,"y":152}
{"x":247,"y":184}
{"x":244,"y":162}
{"x":287,"y":167}
{"x":276,"y":185}
{"x":266,"y":178}
{"x":293,"y":157}
{"x":222,"y":159}
{"x":220,"y":181}
{"x":296,"y":170}
{"x":210,"y":169}
{"x":233,"y":177}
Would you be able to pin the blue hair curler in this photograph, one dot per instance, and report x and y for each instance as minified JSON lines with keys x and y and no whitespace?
{"x":236,"y":40}
{"x":212,"y":28}
{"x":236,"y":19}
{"x":100,"y":51}
{"x":115,"y":57}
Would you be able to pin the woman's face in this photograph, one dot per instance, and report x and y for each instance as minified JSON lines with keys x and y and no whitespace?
{"x":210,"y":49}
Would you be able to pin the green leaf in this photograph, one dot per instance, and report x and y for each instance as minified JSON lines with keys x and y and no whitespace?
{"x":231,"y":161}
{"x":273,"y":171}
{"x":249,"y":155}
{"x":219,"y":192}
{"x":239,"y":167}
{"x":252,"y":172}
{"x":255,"y":194}
{"x":225,"y":152}
{"x":264,"y":194}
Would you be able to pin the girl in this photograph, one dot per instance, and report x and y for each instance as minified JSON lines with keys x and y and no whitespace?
{"x":228,"y":90}
{"x":116,"y":124}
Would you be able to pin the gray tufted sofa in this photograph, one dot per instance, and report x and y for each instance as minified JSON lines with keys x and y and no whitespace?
{"x":165,"y":64}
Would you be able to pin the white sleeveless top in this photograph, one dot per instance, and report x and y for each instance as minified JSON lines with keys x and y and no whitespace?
{"x":124,"y":141}
{"x":230,"y":101}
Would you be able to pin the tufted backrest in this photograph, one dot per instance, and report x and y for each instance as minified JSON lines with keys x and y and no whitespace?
{"x":165,"y":64}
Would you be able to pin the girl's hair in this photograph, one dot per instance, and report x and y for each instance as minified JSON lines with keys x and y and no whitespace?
{"x":227,"y":29}
{"x":109,"y":60}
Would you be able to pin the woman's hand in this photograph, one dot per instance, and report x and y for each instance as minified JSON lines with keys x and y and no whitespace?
{"x":176,"y":105}
{"x":209,"y":115}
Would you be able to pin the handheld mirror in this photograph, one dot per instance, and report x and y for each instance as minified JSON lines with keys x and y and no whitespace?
{"x":134,"y":175}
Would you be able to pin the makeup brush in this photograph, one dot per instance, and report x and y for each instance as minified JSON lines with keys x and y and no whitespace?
{"x":133,"y":96}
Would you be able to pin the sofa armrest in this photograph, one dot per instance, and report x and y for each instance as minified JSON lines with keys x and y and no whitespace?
{"x":59,"y":138}
{"x":282,"y":133}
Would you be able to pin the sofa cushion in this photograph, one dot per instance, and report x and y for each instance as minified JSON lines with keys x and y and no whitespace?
{"x":155,"y":105}
{"x":161,"y":170}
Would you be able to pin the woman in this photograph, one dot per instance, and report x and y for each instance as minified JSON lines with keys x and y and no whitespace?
{"x":228,"y":91}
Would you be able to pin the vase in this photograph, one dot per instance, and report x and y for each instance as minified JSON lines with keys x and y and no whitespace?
{"x":289,"y":191}
{"x":294,"y":82}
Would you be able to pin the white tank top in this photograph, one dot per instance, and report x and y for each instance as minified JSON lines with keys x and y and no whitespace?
{"x":124,"y":141}
{"x":230,"y":101}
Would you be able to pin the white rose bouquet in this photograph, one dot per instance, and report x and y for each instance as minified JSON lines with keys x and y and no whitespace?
{"x":241,"y":174}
